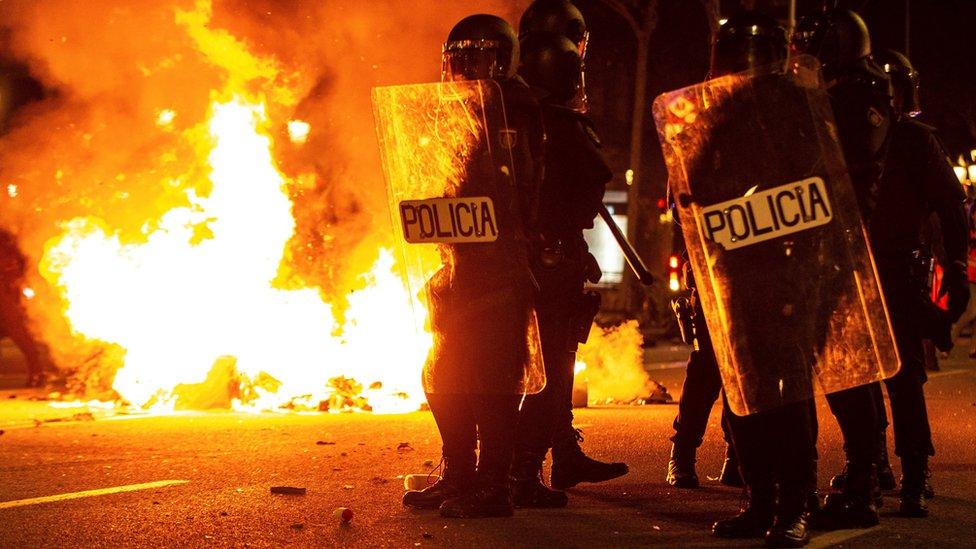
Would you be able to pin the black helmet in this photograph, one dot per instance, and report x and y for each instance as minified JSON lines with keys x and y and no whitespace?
{"x":838,"y":38}
{"x":555,"y":17}
{"x":551,"y":62}
{"x":480,"y":47}
{"x":904,"y":80}
{"x":861,"y":101}
{"x":749,"y":39}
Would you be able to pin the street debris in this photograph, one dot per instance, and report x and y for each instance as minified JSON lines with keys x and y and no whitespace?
{"x":343,"y":514}
{"x":289,"y":490}
{"x":659,"y":395}
{"x":348,"y":487}
{"x":81,"y":416}
{"x":427,"y":535}
{"x":325,"y":443}
{"x":297,"y":526}
{"x":419,"y":482}
{"x":428,"y":463}
{"x":379,"y":480}
{"x":404,"y":447}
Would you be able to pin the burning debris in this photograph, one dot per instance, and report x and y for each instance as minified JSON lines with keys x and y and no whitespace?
{"x":198,"y":208}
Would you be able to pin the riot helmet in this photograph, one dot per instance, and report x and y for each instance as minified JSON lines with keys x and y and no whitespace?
{"x":904,"y":80}
{"x":480,"y":47}
{"x":861,"y":101}
{"x":555,"y":17}
{"x":837,"y":38}
{"x":562,"y":18}
{"x":551,"y":62}
{"x":749,"y":39}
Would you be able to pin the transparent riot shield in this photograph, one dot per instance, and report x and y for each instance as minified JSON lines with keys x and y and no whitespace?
{"x":447,"y":156}
{"x":775,"y":237}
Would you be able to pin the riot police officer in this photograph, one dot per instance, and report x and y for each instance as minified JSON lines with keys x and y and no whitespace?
{"x":496,"y":279}
{"x":775,"y":448}
{"x":553,"y":39}
{"x":860,"y":94}
{"x":749,"y":39}
{"x":905,"y":101}
{"x":916,"y":181}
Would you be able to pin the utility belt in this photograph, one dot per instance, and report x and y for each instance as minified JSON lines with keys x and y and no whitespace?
{"x":923,"y":271}
{"x":561,"y":266}
{"x":907,"y":273}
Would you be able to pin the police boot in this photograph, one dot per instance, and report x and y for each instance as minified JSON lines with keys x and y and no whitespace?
{"x":928,"y":490}
{"x":913,"y":482}
{"x":570,"y":466}
{"x":752,"y":521}
{"x":790,"y":526}
{"x":490,"y":498}
{"x":458,"y":478}
{"x":837,"y":481}
{"x":681,"y":467}
{"x":529,"y":491}
{"x":730,"y":469}
{"x":854,"y":506}
{"x":886,"y":477}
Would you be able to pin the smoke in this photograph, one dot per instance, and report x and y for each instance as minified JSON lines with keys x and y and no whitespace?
{"x":614,"y":364}
{"x":127,"y":81}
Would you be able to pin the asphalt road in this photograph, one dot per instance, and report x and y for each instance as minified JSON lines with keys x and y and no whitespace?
{"x":225,"y":464}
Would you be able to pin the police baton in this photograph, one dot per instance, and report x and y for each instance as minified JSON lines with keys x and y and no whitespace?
{"x":633,"y":259}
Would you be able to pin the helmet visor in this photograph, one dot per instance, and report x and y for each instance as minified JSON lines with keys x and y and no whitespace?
{"x":470,"y":60}
{"x":906,"y":84}
{"x":580,"y":102}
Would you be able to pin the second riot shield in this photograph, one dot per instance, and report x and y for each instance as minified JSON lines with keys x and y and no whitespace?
{"x":447,"y":155}
{"x":774,"y":236}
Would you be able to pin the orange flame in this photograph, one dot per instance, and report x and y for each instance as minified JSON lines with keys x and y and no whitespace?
{"x":199,"y":291}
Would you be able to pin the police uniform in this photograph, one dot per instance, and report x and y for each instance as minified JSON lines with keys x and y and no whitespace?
{"x":917,"y":181}
{"x":576,"y":175}
{"x":699,"y":391}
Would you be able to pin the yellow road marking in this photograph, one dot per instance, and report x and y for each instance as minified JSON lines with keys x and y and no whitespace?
{"x":90,"y":493}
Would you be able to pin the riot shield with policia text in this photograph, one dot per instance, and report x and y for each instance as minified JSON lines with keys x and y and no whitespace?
{"x":447,"y":155}
{"x":774,"y":236}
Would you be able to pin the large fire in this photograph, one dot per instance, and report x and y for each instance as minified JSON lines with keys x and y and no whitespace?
{"x":202,"y":287}
{"x":200,"y":200}
{"x":196,"y":309}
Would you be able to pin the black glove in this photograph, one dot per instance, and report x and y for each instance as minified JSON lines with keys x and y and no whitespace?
{"x":955,"y":283}
{"x":938,"y":328}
